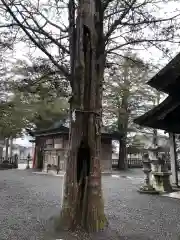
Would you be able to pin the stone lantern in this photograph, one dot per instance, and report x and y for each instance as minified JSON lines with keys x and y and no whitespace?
{"x":161,"y":175}
{"x":147,"y":187}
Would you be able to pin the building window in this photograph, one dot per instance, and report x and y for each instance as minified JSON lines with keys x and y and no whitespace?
{"x":58,"y":143}
{"x":49,"y":143}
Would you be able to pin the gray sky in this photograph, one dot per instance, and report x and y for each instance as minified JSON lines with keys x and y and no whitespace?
{"x":150,"y":55}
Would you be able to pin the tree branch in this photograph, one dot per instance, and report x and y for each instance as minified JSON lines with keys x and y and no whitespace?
{"x":149,"y":21}
{"x":106,"y":3}
{"x":139,"y":41}
{"x":118,"y":21}
{"x":60,"y":67}
{"x":53,"y":24}
{"x":41,"y":30}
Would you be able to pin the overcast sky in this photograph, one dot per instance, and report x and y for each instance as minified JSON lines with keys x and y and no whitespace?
{"x":150,"y":55}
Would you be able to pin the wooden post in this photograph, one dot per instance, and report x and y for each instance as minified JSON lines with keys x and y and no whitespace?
{"x":34,"y":157}
{"x":1,"y":153}
{"x":6,"y":148}
{"x":173,"y":159}
{"x":10,"y":147}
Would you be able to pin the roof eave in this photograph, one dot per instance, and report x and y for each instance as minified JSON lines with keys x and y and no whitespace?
{"x":158,"y":81}
{"x":154,"y":117}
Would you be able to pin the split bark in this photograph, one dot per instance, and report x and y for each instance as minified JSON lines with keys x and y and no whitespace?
{"x":87,"y":68}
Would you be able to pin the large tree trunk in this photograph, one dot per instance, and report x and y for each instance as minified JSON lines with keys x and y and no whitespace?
{"x":6,"y":149}
{"x":83,"y":202}
{"x":10,"y":147}
{"x":122,"y":161}
{"x":122,"y":128}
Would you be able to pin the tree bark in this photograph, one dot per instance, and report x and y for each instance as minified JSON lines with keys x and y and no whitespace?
{"x":155,"y":132}
{"x":83,"y":202}
{"x":6,"y":148}
{"x":122,"y":128}
{"x":10,"y":147}
{"x":39,"y":160}
{"x":122,"y":161}
{"x":1,"y":153}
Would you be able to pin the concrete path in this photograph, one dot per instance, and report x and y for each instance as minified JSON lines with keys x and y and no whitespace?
{"x":28,"y":201}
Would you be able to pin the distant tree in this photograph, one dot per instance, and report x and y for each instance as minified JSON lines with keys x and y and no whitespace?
{"x":36,"y":97}
{"x":11,"y":120}
{"x":126,"y":96}
{"x":44,"y":92}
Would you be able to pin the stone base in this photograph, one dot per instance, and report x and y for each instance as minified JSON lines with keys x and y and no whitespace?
{"x":161,"y":182}
{"x":54,"y":172}
{"x":175,"y":195}
{"x":148,"y":189}
{"x":175,"y":187}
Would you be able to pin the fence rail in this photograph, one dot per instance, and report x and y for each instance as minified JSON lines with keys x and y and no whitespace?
{"x":137,"y":163}
{"x":23,"y":160}
{"x":131,"y":162}
{"x":11,"y":160}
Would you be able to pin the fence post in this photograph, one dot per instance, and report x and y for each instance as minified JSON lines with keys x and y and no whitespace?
{"x":16,"y":161}
{"x":28,"y":159}
{"x":58,"y":164}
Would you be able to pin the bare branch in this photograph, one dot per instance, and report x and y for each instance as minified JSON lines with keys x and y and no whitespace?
{"x":118,"y":21}
{"x":138,"y":41}
{"x":106,"y":3}
{"x":53,"y":24}
{"x":149,"y":21}
{"x":60,"y":67}
{"x":41,"y":30}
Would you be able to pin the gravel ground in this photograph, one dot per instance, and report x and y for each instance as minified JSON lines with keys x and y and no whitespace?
{"x":28,"y":201}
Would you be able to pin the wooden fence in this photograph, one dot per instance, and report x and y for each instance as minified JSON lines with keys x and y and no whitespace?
{"x":132,"y":163}
{"x":137,"y":163}
{"x":10,"y":160}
